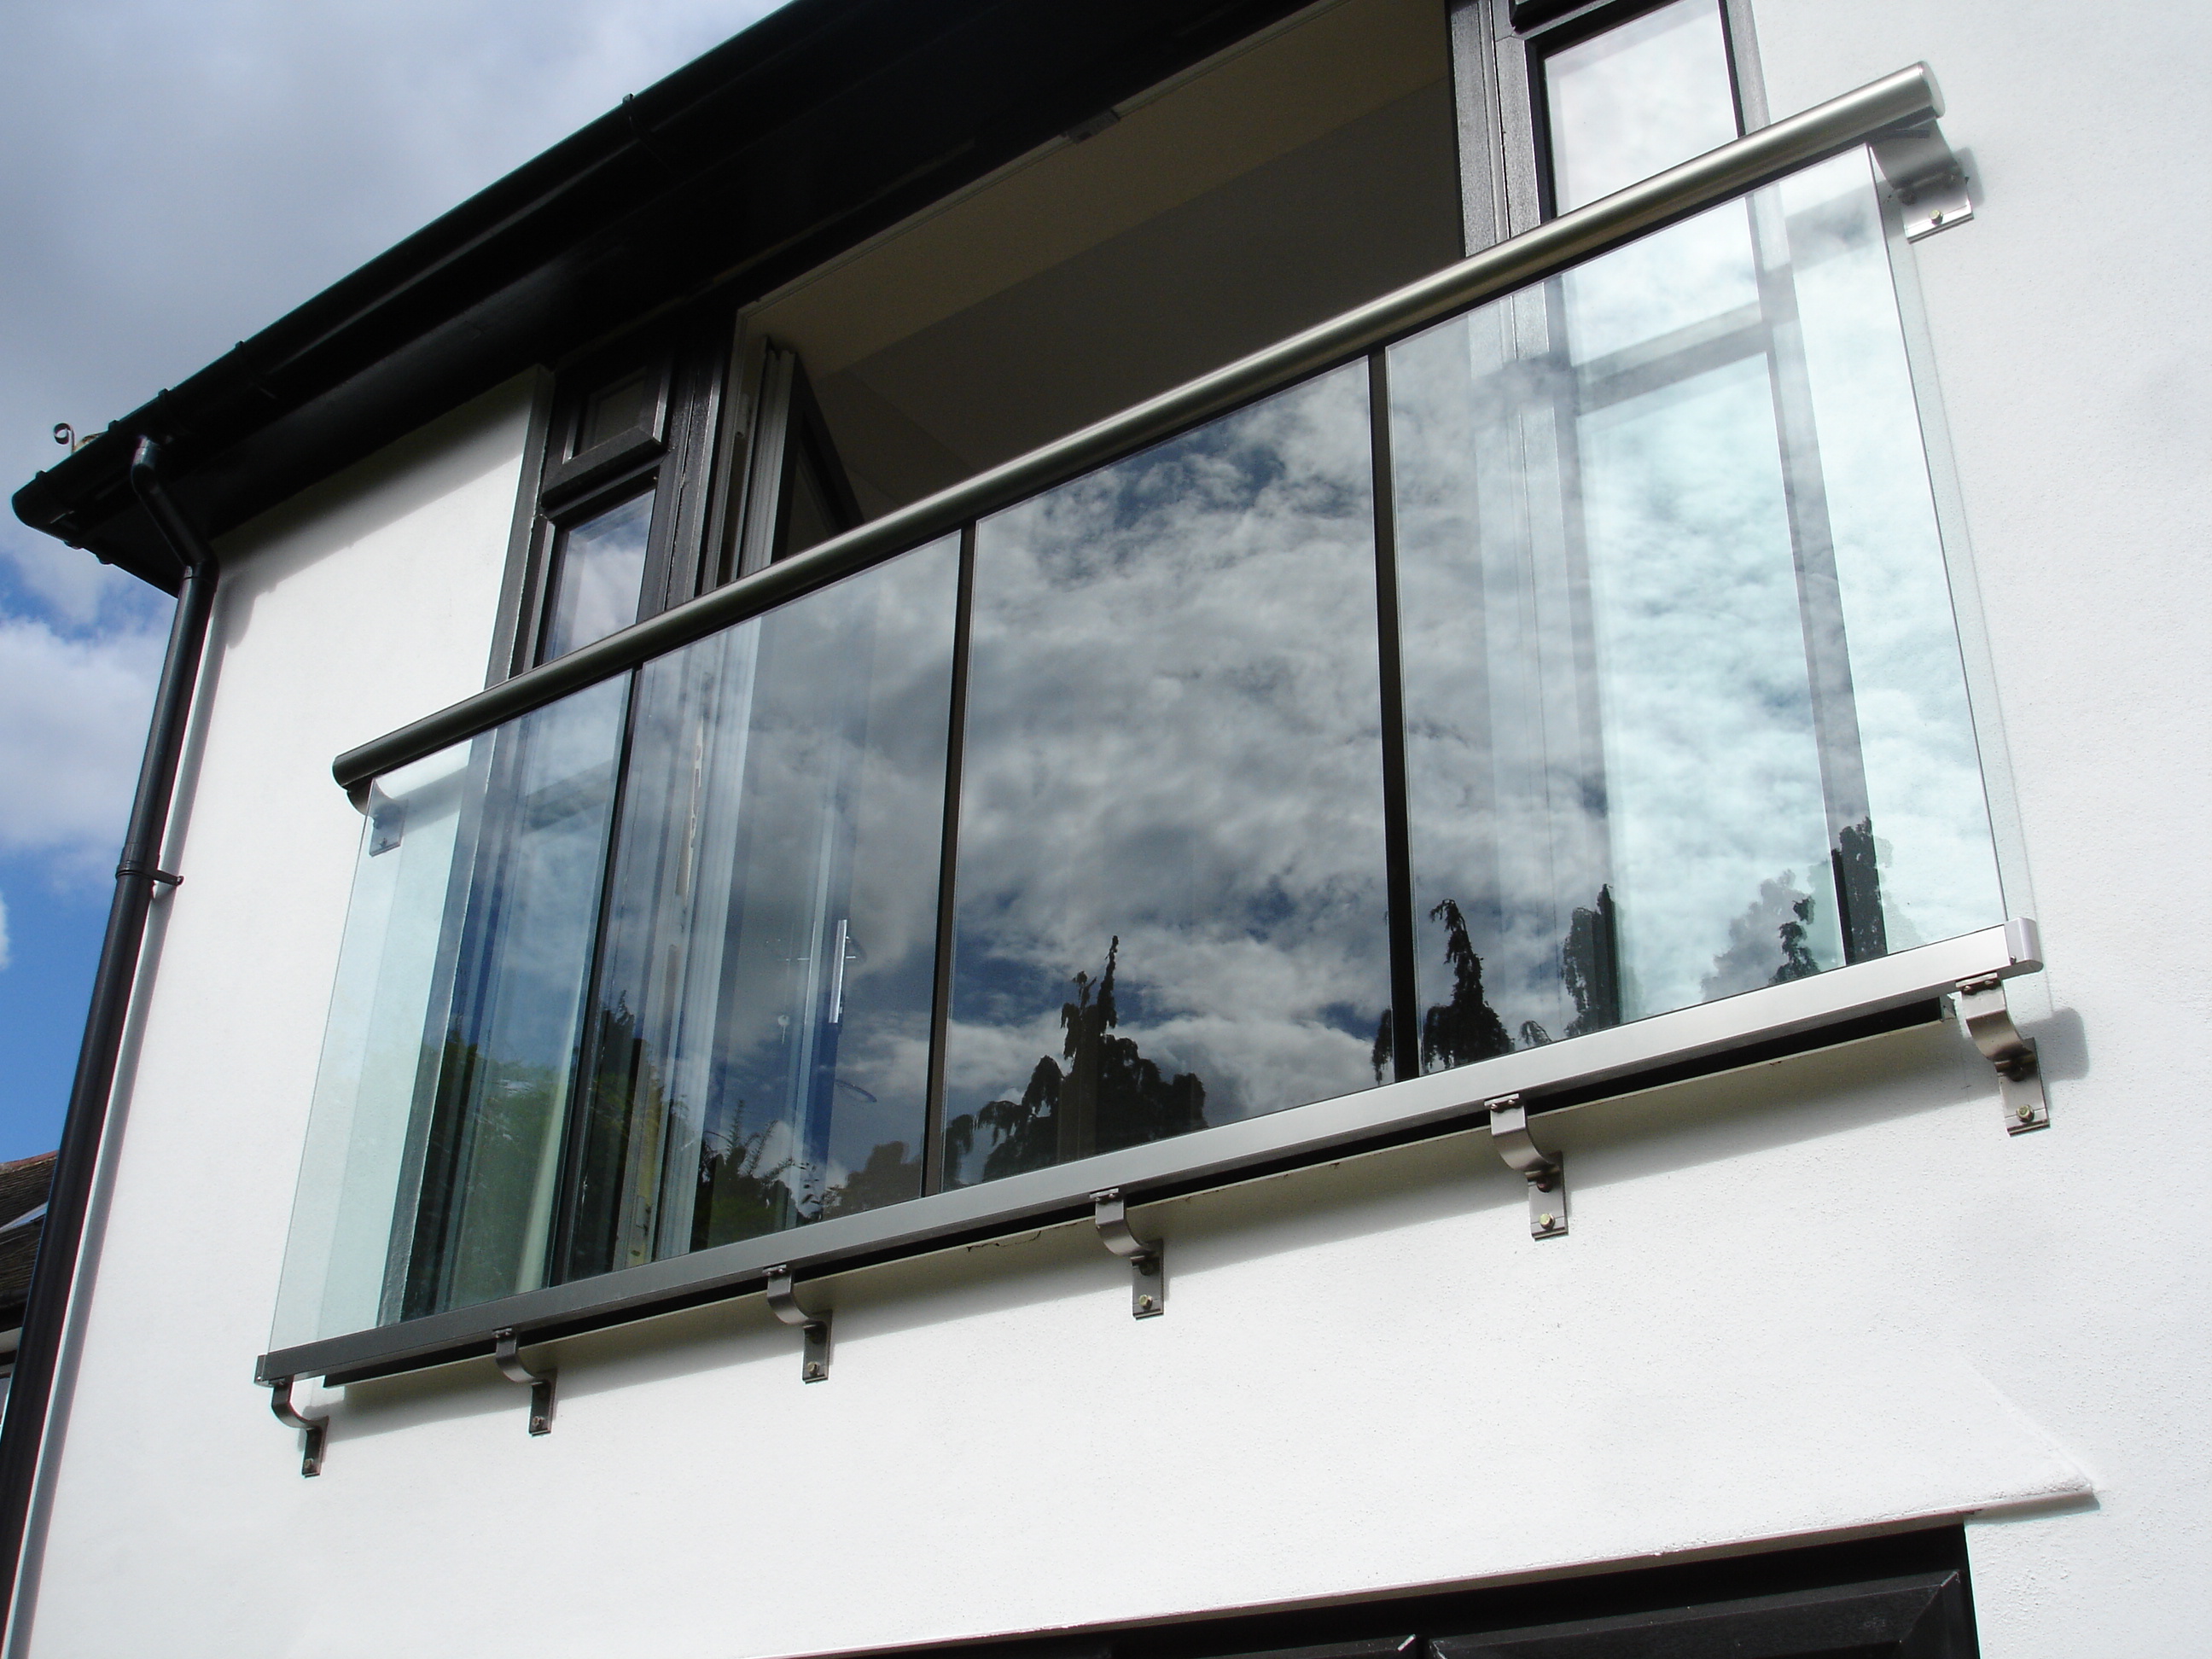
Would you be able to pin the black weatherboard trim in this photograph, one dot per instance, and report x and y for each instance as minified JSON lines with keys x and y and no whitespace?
{"x":1907,"y":1595}
{"x":824,"y":122}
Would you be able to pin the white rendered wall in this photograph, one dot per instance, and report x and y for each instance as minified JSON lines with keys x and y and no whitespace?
{"x":1826,"y":1295}
{"x":2074,"y":351}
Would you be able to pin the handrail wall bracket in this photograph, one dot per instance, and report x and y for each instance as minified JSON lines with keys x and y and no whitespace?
{"x":316,"y":1429}
{"x":1545,"y":1172}
{"x":783,"y":1302}
{"x":1927,"y":178}
{"x":1147,"y":1258}
{"x":505,"y":1354}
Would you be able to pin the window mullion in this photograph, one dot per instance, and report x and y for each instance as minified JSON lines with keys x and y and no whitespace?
{"x":933,"y":1149}
{"x":1403,"y":1024}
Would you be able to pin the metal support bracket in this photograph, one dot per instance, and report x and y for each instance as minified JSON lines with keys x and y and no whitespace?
{"x":540,"y":1383}
{"x":1987,"y":1019}
{"x":814,"y":1353}
{"x":1148,"y":1284}
{"x":1545,"y":1172}
{"x":1927,"y":178}
{"x":315,"y":1428}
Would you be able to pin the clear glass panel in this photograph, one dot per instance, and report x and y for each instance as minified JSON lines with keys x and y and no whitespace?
{"x":433,"y":1157}
{"x":1684,"y":714}
{"x":1171,"y":891}
{"x":615,"y":410}
{"x":598,"y":569}
{"x":519,"y":933}
{"x":761,"y":1026}
{"x":373,"y":1052}
{"x":1636,"y":100}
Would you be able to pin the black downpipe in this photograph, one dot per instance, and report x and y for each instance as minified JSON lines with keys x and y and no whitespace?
{"x":23,"y":1434}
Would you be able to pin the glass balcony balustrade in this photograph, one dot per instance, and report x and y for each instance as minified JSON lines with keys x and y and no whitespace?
{"x":1606,"y":624}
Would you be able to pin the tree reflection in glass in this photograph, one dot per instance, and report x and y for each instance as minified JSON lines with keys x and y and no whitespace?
{"x":1171,"y":887}
{"x":1672,"y":600}
{"x":760,"y":1025}
{"x":484,"y":1151}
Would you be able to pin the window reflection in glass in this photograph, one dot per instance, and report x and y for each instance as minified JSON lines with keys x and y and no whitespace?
{"x":1684,"y":709}
{"x":484,"y":1152}
{"x":759,"y":1042}
{"x":1636,"y":101}
{"x":1170,"y":892}
{"x":598,"y":569}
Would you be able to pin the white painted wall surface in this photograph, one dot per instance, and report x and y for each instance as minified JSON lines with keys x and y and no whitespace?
{"x":1828,"y":1294}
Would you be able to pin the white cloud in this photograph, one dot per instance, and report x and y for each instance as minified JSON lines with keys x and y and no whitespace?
{"x":4,"y":956}
{"x":72,"y":724}
{"x":176,"y":176}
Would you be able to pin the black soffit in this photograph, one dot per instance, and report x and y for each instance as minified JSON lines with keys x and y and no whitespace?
{"x":820,"y":125}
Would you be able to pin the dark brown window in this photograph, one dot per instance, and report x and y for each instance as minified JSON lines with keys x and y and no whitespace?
{"x":661,"y":466}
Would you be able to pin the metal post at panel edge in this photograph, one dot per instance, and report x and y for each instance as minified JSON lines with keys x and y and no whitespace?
{"x":139,"y":874}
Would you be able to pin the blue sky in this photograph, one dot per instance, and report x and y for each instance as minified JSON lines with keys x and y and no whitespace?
{"x":175,"y":175}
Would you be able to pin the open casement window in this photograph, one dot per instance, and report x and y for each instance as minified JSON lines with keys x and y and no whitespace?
{"x":796,"y":491}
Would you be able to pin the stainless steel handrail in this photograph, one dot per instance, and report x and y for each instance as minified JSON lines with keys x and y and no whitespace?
{"x":1908,"y":98}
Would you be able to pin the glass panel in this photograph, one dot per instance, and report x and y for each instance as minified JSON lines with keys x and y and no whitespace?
{"x":762,"y":1020}
{"x":373,"y":1050}
{"x":433,"y":1153}
{"x":599,"y":567}
{"x":1684,"y":709}
{"x":521,"y":937}
{"x":617,"y":410}
{"x":1636,"y":100}
{"x":1171,"y":894}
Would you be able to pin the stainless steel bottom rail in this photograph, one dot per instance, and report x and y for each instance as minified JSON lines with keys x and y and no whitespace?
{"x":1574,"y":1072}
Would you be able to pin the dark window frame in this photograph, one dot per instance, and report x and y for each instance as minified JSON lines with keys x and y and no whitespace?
{"x":1498,"y":48}
{"x":673,"y":449}
{"x":784,"y":432}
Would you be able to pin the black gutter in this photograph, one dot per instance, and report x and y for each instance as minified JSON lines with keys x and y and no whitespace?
{"x":22,"y":1432}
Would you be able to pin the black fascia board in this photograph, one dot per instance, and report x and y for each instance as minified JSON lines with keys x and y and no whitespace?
{"x":824,"y":122}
